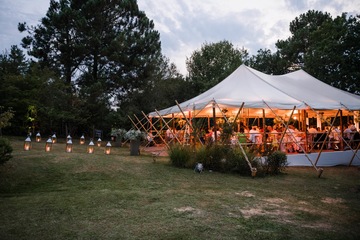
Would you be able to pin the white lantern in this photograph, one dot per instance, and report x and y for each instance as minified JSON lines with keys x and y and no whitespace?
{"x":27,"y":144}
{"x":91,"y":147}
{"x":53,"y":138}
{"x":38,"y":137}
{"x":98,"y":142}
{"x":68,"y":138}
{"x":108,"y":148}
{"x":69,"y":146}
{"x":82,"y":140}
{"x":48,"y":145}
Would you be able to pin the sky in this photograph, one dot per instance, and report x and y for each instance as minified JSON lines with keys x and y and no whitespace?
{"x":186,"y":25}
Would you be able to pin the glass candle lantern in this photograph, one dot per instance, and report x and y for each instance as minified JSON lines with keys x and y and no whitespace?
{"x":69,"y":146}
{"x":68,"y":138}
{"x":108,"y":148}
{"x":48,"y":145}
{"x":38,"y":137}
{"x":82,"y":140}
{"x":27,"y":144}
{"x":53,"y":138}
{"x":91,"y":147}
{"x":98,"y":143}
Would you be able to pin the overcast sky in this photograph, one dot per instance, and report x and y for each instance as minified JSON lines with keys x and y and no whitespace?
{"x":185,"y":25}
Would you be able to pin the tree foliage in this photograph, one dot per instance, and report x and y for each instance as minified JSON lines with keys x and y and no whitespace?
{"x":212,"y":63}
{"x":105,"y":52}
{"x":267,"y":62}
{"x":326,"y":48}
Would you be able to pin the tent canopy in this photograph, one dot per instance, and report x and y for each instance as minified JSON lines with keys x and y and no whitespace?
{"x":257,"y":91}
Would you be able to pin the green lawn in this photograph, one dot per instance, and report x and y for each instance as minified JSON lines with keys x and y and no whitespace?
{"x":60,"y":195}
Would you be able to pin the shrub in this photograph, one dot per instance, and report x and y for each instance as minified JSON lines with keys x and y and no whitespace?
{"x":179,"y":155}
{"x":237,"y":162}
{"x":223,"y":158}
{"x":216,"y":158}
{"x":276,"y":162}
{"x":5,"y":150}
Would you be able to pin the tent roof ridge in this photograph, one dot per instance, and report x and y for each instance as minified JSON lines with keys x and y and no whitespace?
{"x":253,"y":71}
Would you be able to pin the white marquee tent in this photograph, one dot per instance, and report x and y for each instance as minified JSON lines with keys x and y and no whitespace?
{"x":259,"y":95}
{"x":258,"y":91}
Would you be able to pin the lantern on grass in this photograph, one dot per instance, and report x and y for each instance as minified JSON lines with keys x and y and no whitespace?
{"x":53,"y":138}
{"x":108,"y":148}
{"x":91,"y":147}
{"x":48,"y":145}
{"x":98,"y":143}
{"x":27,"y":144}
{"x":69,"y":146}
{"x":68,"y":137}
{"x":82,"y":140}
{"x":38,"y":137}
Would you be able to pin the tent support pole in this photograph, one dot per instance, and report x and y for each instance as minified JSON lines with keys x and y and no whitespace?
{"x":238,"y":113}
{"x":252,"y":169}
{"x":215,"y":124}
{"x":187,"y":120}
{"x":341,"y":131}
{"x":264,"y":130}
{"x":326,"y":137}
{"x":355,"y":154}
{"x":167,"y":125}
{"x":134,"y":123}
{"x":318,"y":170}
{"x":158,"y":133}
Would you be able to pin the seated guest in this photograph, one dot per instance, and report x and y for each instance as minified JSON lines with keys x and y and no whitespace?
{"x":255,"y":136}
{"x":242,"y":136}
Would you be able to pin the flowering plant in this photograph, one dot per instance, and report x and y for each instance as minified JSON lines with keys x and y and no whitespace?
{"x":135,"y":135}
{"x":119,"y":133}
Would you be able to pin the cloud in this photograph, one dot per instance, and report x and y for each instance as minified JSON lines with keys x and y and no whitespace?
{"x":185,"y":25}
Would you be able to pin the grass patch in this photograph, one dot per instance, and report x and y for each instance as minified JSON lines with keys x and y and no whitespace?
{"x":58,"y":195}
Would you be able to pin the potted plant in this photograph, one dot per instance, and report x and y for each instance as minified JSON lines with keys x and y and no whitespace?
{"x":135,"y":137}
{"x":117,"y":136}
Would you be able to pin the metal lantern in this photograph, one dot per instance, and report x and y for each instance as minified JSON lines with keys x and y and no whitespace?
{"x":53,"y":138}
{"x":91,"y":147}
{"x":82,"y":140}
{"x":108,"y":148}
{"x":68,"y":138}
{"x":48,"y":145}
{"x":27,"y":144}
{"x":38,"y":137}
{"x":98,"y":143}
{"x":69,"y":146}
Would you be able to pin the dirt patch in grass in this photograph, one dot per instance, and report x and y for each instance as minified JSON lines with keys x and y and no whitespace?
{"x":190,"y":210}
{"x":245,"y":194}
{"x":332,"y":200}
{"x":278,"y":210}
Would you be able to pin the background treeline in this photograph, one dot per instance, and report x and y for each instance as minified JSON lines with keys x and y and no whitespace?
{"x":89,"y":64}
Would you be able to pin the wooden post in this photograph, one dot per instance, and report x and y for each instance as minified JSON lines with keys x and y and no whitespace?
{"x":341,"y":131}
{"x":215,"y":124}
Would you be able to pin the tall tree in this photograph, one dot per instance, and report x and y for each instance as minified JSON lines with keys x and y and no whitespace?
{"x":335,"y":55}
{"x":105,"y":50}
{"x":326,"y":48}
{"x":296,"y":46}
{"x":14,"y":89}
{"x":212,"y":63}
{"x":267,"y":62}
